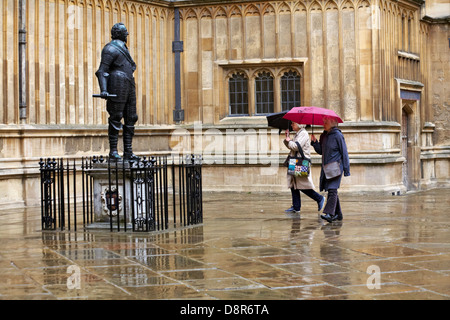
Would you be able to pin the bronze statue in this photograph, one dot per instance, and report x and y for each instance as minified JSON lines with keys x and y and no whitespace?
{"x":116,"y":81}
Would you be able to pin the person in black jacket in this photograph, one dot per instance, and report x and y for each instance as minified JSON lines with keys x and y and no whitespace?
{"x":332,"y":147}
{"x":115,"y":76}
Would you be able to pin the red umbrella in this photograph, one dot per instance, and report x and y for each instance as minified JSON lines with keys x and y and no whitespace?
{"x":311,"y":115}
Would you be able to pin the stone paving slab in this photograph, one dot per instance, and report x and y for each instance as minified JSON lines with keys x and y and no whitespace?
{"x":246,"y":249}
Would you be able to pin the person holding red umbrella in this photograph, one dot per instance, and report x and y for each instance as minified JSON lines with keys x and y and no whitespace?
{"x":335,"y":161}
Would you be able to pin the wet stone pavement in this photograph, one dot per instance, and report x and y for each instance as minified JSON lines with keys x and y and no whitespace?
{"x":387,"y":247}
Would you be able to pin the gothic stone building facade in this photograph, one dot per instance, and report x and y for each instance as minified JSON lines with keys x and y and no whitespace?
{"x":209,"y":72}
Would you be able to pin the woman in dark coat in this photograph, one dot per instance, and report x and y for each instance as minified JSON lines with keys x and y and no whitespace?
{"x":332,"y":147}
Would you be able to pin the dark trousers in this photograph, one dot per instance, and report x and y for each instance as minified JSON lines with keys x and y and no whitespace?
{"x":124,"y":105}
{"x":296,"y":200}
{"x":333,"y":206}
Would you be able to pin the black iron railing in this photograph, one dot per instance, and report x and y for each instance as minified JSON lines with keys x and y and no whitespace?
{"x":151,"y":194}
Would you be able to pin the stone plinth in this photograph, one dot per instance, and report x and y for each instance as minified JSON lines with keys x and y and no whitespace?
{"x":109,"y":198}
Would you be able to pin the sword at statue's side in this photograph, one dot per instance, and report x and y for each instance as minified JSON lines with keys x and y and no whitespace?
{"x":100,"y":96}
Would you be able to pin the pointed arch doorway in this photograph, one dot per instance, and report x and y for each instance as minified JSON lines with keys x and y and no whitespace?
{"x":411,"y":112}
{"x":410,"y":148}
{"x":404,"y":144}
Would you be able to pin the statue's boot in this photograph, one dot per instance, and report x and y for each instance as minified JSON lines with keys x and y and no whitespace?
{"x":113,"y":135}
{"x":128,"y":133}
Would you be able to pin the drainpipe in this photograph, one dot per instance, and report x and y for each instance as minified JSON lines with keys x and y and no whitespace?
{"x":177,"y":48}
{"x":22,"y":61}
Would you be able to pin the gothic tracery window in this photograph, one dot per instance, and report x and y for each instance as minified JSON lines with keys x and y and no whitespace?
{"x":238,"y":87}
{"x":290,"y":90}
{"x":264,"y":93}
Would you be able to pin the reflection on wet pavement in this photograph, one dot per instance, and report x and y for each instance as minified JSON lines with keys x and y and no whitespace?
{"x":247,"y":248}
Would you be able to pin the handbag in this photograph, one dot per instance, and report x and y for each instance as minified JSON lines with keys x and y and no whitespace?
{"x":299,"y":166}
{"x":332,"y":169}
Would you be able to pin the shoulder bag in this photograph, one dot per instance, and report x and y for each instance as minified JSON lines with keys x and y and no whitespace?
{"x":332,"y":169}
{"x":299,"y":166}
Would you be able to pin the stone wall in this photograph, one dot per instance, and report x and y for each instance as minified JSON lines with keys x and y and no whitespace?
{"x":382,"y":65}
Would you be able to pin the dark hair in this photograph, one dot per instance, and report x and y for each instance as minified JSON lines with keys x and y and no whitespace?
{"x":116,"y":30}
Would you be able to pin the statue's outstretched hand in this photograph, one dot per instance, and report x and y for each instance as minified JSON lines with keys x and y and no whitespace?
{"x":104,"y":95}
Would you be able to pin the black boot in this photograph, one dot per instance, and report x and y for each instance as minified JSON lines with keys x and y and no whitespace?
{"x":329,"y":217}
{"x":128,"y":133}
{"x":113,"y":135}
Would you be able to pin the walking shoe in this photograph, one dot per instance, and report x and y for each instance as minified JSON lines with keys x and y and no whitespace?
{"x":320,"y":203}
{"x":339,"y":217}
{"x":329,"y":217}
{"x":291,"y":209}
{"x":292,"y":214}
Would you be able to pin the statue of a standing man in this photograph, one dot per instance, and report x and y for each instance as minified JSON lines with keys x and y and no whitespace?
{"x":115,"y":77}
